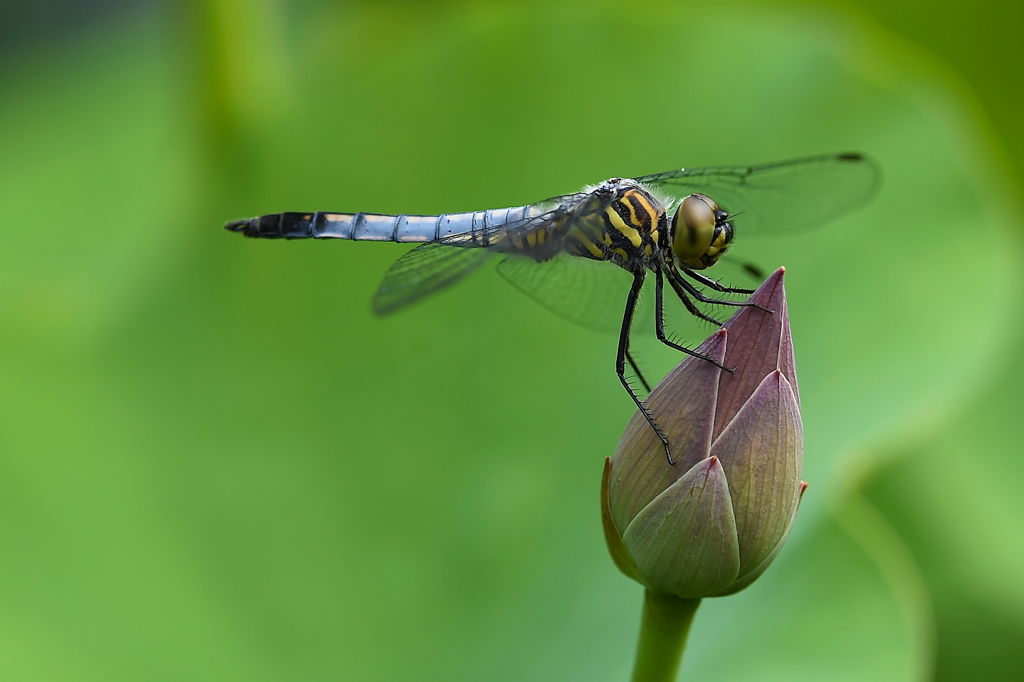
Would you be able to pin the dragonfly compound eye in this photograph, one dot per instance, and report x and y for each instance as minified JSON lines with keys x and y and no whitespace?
{"x":693,"y":229}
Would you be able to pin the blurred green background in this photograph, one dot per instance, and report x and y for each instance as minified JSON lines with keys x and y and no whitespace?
{"x":216,"y":464}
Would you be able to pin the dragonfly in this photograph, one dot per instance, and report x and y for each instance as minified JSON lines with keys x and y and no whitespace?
{"x":577,"y":253}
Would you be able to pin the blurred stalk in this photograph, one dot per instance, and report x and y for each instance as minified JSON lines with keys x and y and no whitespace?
{"x":238,"y":69}
{"x":664,"y":626}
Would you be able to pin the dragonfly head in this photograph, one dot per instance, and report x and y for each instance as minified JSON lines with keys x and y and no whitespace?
{"x":701,"y":231}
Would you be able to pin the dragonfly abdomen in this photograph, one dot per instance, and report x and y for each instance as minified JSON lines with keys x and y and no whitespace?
{"x":378,"y":227}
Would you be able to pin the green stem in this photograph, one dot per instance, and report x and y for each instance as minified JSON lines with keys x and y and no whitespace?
{"x":663,"y":629}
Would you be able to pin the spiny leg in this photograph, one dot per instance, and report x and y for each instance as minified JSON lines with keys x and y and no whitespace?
{"x":674,"y":276}
{"x":659,"y":316}
{"x":690,"y":307}
{"x":620,"y":359}
{"x":632,"y":363}
{"x":714,"y":283}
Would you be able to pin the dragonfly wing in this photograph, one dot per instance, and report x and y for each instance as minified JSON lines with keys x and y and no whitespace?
{"x":424,"y":270}
{"x":437,"y":264}
{"x":554,"y":217}
{"x":587,"y":292}
{"x":782,"y":196}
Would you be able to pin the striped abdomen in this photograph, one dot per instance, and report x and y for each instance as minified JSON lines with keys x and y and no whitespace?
{"x":376,"y":227}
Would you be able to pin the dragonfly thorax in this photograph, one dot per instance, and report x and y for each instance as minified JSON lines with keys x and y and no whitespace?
{"x":700,"y":231}
{"x":627,"y":227}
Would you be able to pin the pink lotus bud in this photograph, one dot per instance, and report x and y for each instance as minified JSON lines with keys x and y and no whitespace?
{"x":712,"y":524}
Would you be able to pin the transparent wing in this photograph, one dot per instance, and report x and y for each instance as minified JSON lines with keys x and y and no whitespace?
{"x":787,"y":195}
{"x":587,"y":292}
{"x":422,"y":271}
{"x":435,"y":265}
{"x":556,"y":216}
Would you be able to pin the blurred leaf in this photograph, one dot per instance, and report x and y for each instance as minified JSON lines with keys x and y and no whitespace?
{"x":94,"y":181}
{"x":981,"y":52}
{"x":957,"y":500}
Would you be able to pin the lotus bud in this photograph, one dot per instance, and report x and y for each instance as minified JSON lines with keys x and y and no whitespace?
{"x":711,"y":524}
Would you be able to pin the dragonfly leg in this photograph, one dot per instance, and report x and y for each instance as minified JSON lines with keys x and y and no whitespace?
{"x":714,"y":283}
{"x":676,"y":278}
{"x":632,"y":363}
{"x":659,"y":315}
{"x":690,"y":307}
{"x":620,"y":360}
